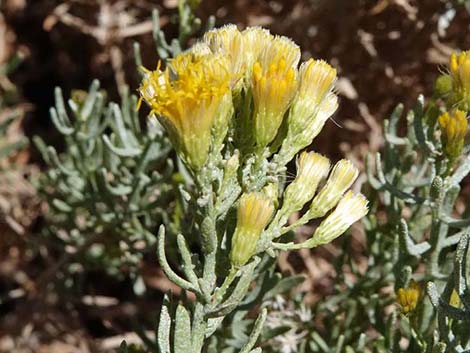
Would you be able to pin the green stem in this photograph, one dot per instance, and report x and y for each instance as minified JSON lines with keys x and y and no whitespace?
{"x":220,"y":292}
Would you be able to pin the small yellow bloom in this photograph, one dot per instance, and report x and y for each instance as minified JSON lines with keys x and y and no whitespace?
{"x":186,"y":97}
{"x":408,"y":298}
{"x":254,"y":213}
{"x":454,"y":127}
{"x":317,"y":79}
{"x":459,"y":67}
{"x":274,"y":83}
{"x":312,"y":168}
{"x":351,"y":208}
{"x":229,"y":41}
{"x":341,"y":178}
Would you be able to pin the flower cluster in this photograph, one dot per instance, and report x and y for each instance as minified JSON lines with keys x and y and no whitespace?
{"x":240,"y":98}
{"x":454,"y":127}
{"x":454,"y":89}
{"x":454,"y":86}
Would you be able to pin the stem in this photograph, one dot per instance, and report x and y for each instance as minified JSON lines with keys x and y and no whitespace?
{"x":220,"y":292}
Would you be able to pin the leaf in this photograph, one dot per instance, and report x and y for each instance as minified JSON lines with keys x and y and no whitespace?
{"x":284,"y":285}
{"x":182,"y":330}
{"x":164,"y":327}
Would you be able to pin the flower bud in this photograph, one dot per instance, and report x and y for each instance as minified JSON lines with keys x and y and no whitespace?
{"x":350,"y":209}
{"x":454,"y":127}
{"x":459,"y":66}
{"x":312,"y":168}
{"x":408,"y":298}
{"x":341,"y":178}
{"x":232,"y":164}
{"x":443,"y":85}
{"x":254,"y":212}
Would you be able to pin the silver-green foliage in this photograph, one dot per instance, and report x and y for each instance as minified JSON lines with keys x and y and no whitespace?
{"x":419,"y":189}
{"x":410,"y":233}
{"x":111,"y":186}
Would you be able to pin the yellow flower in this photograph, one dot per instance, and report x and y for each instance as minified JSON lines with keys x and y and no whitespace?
{"x":229,"y":41}
{"x":458,"y":92}
{"x":341,"y":178}
{"x":274,"y":83}
{"x":186,"y":96}
{"x":460,"y":70}
{"x":351,"y":208}
{"x":314,"y":103}
{"x":454,"y":127}
{"x":312,"y":168}
{"x":408,"y":298}
{"x":254,"y":212}
{"x":317,"y":79}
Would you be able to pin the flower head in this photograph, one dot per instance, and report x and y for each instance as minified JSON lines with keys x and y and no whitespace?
{"x":254,"y":212}
{"x":314,"y":103}
{"x":186,"y":97}
{"x":455,"y":86}
{"x":341,"y":178}
{"x":312,"y":168}
{"x":408,"y":298}
{"x":460,"y":70}
{"x":454,"y":127}
{"x":351,"y":208}
{"x":274,"y":83}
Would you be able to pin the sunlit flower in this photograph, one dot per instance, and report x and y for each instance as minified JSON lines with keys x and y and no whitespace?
{"x":186,"y":97}
{"x":455,"y":86}
{"x":454,"y":127}
{"x":351,"y":208}
{"x":312,"y":168}
{"x":274,"y":83}
{"x":314,"y":103}
{"x":254,"y":212}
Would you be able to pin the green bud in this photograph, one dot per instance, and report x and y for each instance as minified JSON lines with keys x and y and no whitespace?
{"x":341,"y":178}
{"x":443,"y":85}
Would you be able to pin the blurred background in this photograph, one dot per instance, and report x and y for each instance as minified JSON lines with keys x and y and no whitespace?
{"x":385,"y":51}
